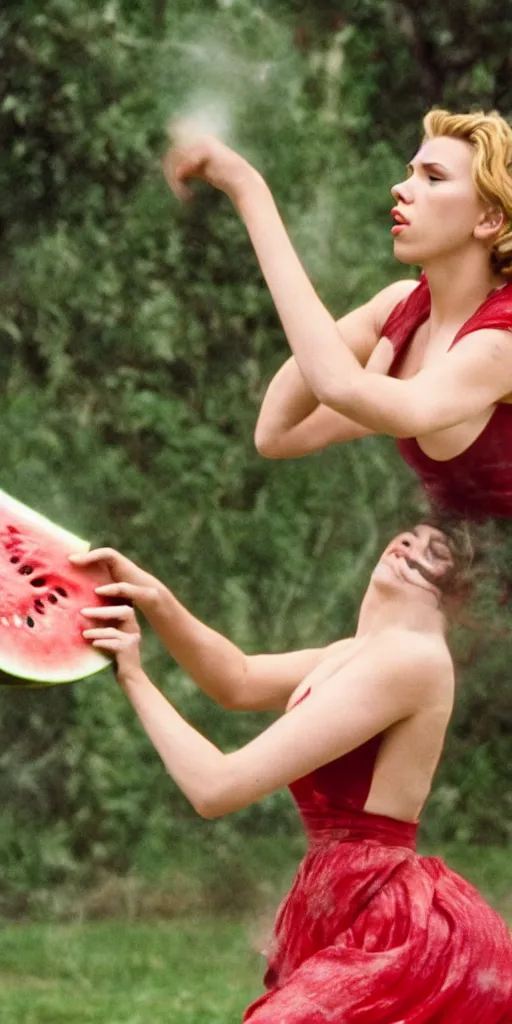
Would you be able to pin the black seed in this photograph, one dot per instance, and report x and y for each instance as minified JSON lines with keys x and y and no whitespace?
{"x":39,"y":607}
{"x":15,"y":559}
{"x":40,"y":581}
{"x":52,"y":598}
{"x":61,"y":591}
{"x":26,"y":570}
{"x":30,"y":622}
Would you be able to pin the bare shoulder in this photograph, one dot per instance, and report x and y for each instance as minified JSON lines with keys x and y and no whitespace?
{"x":361,"y":329}
{"x":385,"y":301}
{"x":400,"y":653}
{"x":421,"y":660}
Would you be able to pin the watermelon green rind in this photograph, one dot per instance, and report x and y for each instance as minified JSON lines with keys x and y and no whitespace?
{"x":22,"y":669}
{"x":10,"y":504}
{"x":89,"y":665}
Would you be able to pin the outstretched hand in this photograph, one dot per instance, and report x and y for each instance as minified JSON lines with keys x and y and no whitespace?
{"x":116,"y":632}
{"x":197,"y":155}
{"x":130,"y":583}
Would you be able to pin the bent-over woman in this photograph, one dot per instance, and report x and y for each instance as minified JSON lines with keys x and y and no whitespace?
{"x":370,"y":932}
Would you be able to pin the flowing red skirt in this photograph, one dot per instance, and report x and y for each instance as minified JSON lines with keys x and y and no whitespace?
{"x":374,"y":934}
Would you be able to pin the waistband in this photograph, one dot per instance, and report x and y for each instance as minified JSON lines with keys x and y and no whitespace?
{"x":362,"y":827}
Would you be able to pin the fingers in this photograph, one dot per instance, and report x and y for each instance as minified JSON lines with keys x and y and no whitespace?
{"x":113,"y":646}
{"x":109,"y":619}
{"x":106,"y":633}
{"x":184,"y":161}
{"x":129,"y":591}
{"x":115,"y":613}
{"x":173,"y":167}
{"x":96,"y":555}
{"x":117,"y":642}
{"x":109,"y":622}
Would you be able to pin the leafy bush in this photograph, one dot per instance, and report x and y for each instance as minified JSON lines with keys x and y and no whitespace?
{"x":137,"y":338}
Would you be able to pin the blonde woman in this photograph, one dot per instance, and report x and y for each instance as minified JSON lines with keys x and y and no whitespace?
{"x":428,"y":362}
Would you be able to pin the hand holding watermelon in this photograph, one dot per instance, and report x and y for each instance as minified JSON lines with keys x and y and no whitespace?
{"x":116,"y":633}
{"x":131,"y":583}
{"x":41,"y":595}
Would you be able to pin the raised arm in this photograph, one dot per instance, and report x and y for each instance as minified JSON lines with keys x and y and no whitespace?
{"x":325,"y":354}
{"x":221,"y":669}
{"x":466,"y":382}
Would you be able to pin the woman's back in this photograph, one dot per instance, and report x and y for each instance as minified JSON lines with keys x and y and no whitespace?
{"x":390,"y":775}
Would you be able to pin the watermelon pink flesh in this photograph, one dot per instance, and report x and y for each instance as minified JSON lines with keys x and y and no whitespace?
{"x":41,"y":594}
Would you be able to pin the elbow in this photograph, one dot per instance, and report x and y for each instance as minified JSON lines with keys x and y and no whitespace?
{"x":219,"y":794}
{"x":207,"y":810}
{"x":211,"y":805}
{"x":231,"y":701}
{"x":266,"y":444}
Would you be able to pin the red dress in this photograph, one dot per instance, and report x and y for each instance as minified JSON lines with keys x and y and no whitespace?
{"x":372,"y":933}
{"x":478,"y":482}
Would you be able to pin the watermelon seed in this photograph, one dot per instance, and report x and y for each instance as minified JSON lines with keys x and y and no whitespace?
{"x":4,"y":621}
{"x":39,"y":605}
{"x":61,"y":591}
{"x":26,"y":570}
{"x":15,"y":559}
{"x":30,"y":622}
{"x":52,"y":598}
{"x":38,"y":582}
{"x":17,"y":621}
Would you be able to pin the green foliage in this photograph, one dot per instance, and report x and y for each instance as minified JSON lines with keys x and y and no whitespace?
{"x":136,"y":340}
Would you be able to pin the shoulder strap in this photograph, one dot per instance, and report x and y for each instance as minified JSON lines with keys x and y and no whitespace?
{"x":407,"y":316}
{"x":495,"y":313}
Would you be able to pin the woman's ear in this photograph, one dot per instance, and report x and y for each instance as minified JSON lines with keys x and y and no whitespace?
{"x":490,"y":223}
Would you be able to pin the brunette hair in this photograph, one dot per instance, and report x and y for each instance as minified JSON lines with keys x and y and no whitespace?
{"x":458,"y":583}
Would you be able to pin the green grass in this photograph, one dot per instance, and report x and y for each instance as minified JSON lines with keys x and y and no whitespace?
{"x":121,"y":973}
{"x":198,"y":967}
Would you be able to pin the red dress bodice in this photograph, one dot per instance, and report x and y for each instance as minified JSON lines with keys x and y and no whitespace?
{"x":331,"y":799}
{"x":478,"y":482}
{"x":372,"y":933}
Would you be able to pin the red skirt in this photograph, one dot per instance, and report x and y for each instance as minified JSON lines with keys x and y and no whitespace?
{"x":375,"y":934}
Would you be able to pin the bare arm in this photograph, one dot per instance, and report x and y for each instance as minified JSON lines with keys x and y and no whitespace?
{"x":468,"y":380}
{"x":363,"y":698}
{"x":292,"y":422}
{"x":326,"y":354}
{"x":221,"y":669}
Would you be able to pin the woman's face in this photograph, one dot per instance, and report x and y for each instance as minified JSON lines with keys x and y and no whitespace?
{"x":420,"y":557}
{"x":437,"y":205}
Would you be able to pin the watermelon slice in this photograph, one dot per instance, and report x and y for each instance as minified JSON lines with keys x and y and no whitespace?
{"x":41,"y":594}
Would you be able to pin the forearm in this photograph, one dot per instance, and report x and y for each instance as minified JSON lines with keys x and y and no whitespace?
{"x":287,"y":402}
{"x":327,"y":365}
{"x":311,"y":331}
{"x":215,"y":664}
{"x":197,"y":766}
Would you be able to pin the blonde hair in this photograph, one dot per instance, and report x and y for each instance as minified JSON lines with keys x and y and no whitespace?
{"x":491,"y":137}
